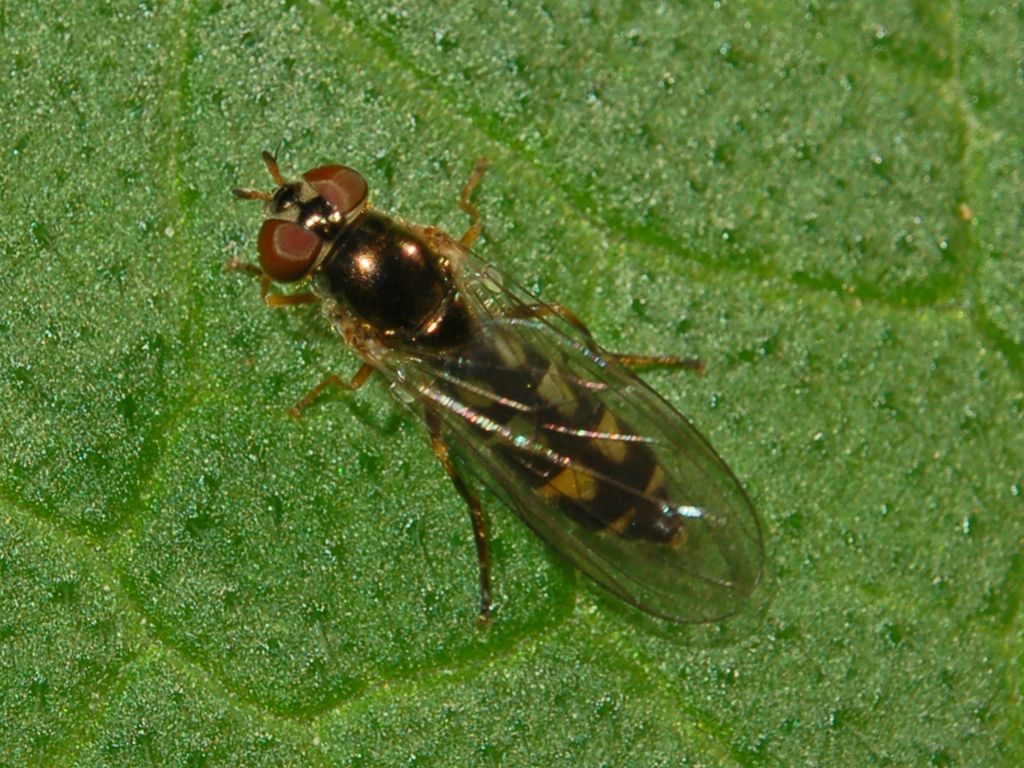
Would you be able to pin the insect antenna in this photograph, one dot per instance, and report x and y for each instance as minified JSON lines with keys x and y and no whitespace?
{"x":274,"y":168}
{"x":251,"y":194}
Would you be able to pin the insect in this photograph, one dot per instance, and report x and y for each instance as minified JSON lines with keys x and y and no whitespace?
{"x":517,"y":397}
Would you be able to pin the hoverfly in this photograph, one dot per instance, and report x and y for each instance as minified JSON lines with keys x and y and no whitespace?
{"x":517,"y":397}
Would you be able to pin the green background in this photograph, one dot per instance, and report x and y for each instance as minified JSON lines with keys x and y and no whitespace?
{"x":821,"y":199}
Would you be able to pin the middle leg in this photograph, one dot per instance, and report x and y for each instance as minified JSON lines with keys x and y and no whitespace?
{"x":630,"y":360}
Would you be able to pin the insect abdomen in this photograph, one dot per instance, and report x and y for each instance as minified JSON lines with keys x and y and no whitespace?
{"x":565,"y":443}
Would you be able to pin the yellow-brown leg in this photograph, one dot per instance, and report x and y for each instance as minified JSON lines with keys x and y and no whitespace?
{"x":633,"y":361}
{"x":237,"y":265}
{"x":475,"y":223}
{"x":332,"y":380}
{"x":539,"y":310}
{"x":273,"y":300}
{"x":694,"y":364}
{"x":278,"y":300}
{"x":479,"y":519}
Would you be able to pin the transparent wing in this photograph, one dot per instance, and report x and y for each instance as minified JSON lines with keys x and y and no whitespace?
{"x":593,"y":460}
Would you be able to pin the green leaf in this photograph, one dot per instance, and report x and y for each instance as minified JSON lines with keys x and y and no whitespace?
{"x":822,"y":200}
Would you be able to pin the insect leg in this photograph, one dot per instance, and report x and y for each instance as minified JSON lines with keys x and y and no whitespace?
{"x":476,"y":513}
{"x":237,"y":265}
{"x":475,"y":225}
{"x":278,"y":300}
{"x":633,"y":361}
{"x":694,"y":364}
{"x":273,"y":300}
{"x":332,"y":380}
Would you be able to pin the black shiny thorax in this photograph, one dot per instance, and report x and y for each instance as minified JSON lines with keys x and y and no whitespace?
{"x":389,"y":277}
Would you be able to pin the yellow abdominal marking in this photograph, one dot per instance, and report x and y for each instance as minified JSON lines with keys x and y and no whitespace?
{"x":554,"y":388}
{"x":572,"y":484}
{"x":656,"y":485}
{"x":615,"y":450}
{"x":621,"y":523}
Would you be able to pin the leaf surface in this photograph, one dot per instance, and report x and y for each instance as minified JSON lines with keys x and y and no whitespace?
{"x":820,"y":200}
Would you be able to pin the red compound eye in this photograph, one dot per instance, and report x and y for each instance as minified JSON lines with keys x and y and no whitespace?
{"x":287,"y":250}
{"x":340,"y":186}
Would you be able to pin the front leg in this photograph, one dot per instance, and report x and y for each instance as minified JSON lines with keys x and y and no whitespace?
{"x":273,"y":300}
